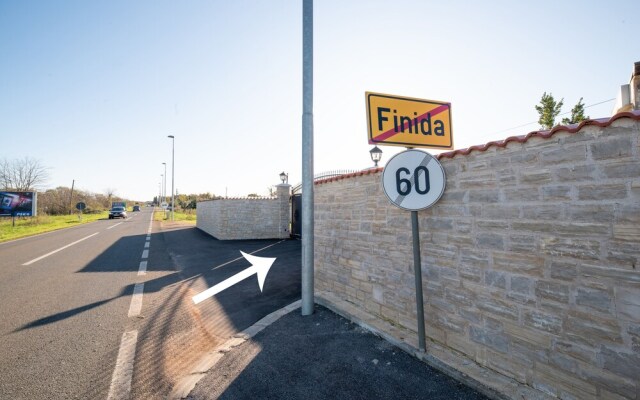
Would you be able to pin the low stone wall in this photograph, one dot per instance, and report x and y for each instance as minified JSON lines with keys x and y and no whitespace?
{"x":531,"y":259}
{"x":235,"y":219}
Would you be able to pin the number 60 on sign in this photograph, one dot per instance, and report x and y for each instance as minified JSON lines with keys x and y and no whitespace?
{"x":413,"y":180}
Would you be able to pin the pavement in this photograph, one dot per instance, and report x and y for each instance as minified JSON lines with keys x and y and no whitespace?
{"x":321,"y":356}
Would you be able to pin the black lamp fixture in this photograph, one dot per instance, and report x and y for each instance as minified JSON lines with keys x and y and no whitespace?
{"x":284,"y":177}
{"x":376,"y":155}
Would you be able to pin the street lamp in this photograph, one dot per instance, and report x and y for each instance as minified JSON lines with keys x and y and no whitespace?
{"x":173,"y":176}
{"x":284,"y":177}
{"x":376,"y":155}
{"x":164,"y":189}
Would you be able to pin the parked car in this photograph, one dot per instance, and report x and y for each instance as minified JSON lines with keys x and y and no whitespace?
{"x":136,"y":208}
{"x":117,"y":212}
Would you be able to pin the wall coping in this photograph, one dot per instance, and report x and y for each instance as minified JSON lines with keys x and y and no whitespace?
{"x":546,"y":134}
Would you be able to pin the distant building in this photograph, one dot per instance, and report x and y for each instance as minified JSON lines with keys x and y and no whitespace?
{"x":628,"y":98}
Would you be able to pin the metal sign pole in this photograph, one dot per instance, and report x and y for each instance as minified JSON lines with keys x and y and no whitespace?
{"x":417,"y":268}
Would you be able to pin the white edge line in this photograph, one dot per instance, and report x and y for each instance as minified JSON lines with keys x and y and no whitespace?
{"x":136,"y":300}
{"x":113,"y":226}
{"x":120,"y":387}
{"x":60,"y":249}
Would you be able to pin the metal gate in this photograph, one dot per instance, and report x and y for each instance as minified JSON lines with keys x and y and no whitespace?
{"x":296,"y":215}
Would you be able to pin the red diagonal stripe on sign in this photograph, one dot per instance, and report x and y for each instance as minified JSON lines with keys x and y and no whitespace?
{"x":386,"y":135}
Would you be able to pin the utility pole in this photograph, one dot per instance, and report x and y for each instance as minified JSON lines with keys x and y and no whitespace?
{"x":71,"y":196}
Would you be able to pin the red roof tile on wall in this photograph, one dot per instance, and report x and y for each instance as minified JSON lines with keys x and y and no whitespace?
{"x":601,"y":122}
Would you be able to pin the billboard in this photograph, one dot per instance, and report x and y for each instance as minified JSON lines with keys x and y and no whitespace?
{"x":18,"y":204}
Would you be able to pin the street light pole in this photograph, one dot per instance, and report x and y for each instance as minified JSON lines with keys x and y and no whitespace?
{"x":307,"y":159}
{"x":165,"y":180}
{"x":173,"y":176}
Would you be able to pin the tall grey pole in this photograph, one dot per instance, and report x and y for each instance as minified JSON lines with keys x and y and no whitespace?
{"x":307,"y":157}
{"x":164,"y":190}
{"x":173,"y":176}
{"x":417,"y":267}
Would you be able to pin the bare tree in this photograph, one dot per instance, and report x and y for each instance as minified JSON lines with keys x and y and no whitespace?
{"x":110,"y":193}
{"x":22,"y":174}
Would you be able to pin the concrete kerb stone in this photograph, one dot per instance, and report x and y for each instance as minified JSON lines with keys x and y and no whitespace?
{"x":487,"y":382}
{"x":186,"y":384}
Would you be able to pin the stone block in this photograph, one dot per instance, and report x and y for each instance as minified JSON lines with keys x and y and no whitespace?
{"x":609,"y":381}
{"x":590,"y":212}
{"x":496,"y":341}
{"x":520,"y":195}
{"x":488,"y":240}
{"x":554,"y":381}
{"x":621,"y":363}
{"x":624,"y":170}
{"x":627,"y":232}
{"x":524,"y":264}
{"x":600,"y":300}
{"x":542,"y":212}
{"x":483,"y":196}
{"x":495,"y":279}
{"x":591,"y":329}
{"x":612,"y":148}
{"x":542,"y":321}
{"x":573,"y":154}
{"x":575,"y":350}
{"x":602,"y":192}
{"x":557,"y":192}
{"x":500,"y":211}
{"x":578,"y":173}
{"x":628,"y":303}
{"x":521,"y":284}
{"x":497,"y":307}
{"x":535,"y":176}
{"x":522,"y":243}
{"x":628,"y":214}
{"x":562,"y":270}
{"x":552,"y":291}
{"x":568,"y":247}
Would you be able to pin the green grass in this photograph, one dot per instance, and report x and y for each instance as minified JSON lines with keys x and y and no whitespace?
{"x":189,"y":216}
{"x":28,"y":226}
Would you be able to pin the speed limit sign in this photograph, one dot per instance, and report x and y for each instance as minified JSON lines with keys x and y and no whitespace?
{"x":413,"y":180}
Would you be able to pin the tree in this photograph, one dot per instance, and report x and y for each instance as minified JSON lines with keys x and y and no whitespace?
{"x":22,"y":174}
{"x":577,"y":114}
{"x":548,"y":110}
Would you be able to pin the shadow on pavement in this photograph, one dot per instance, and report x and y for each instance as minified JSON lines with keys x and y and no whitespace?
{"x":324,"y":356}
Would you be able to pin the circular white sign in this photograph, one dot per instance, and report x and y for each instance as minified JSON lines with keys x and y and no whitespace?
{"x":413,"y":180}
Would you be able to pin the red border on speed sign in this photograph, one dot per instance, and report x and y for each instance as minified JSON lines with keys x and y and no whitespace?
{"x":413,"y":180}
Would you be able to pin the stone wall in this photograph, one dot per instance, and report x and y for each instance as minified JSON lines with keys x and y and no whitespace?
{"x":235,"y":219}
{"x":531,"y":259}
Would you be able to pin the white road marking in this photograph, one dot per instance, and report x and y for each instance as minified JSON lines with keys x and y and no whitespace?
{"x":145,"y":254}
{"x":120,"y":388}
{"x":136,"y":300}
{"x":148,"y":237}
{"x":143,"y":268}
{"x":241,"y":257}
{"x":113,"y":226}
{"x":146,"y":245}
{"x":60,"y":249}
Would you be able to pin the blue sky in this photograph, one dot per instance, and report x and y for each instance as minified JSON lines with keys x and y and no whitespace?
{"x":92,"y":89}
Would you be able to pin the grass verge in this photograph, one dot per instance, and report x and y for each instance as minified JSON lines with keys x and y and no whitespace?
{"x":189,"y":217}
{"x":29,"y":226}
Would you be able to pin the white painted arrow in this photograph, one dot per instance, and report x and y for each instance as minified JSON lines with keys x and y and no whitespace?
{"x":259,"y":266}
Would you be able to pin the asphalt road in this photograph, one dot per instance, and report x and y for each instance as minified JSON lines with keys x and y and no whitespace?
{"x":104,"y":310}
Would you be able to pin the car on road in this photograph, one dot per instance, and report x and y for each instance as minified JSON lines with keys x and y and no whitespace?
{"x":136,"y":208}
{"x":117,"y":212}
